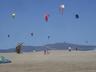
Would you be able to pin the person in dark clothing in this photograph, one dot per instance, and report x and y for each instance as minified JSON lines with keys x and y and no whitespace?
{"x":76,"y":49}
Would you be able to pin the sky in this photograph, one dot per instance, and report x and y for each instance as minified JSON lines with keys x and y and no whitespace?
{"x":61,"y":28}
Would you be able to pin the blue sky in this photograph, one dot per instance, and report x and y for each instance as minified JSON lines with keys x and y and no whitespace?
{"x":30,"y":18}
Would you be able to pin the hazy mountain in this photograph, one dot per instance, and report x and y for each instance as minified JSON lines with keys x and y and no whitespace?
{"x":55,"y":46}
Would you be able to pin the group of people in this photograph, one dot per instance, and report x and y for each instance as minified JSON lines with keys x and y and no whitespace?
{"x":70,"y":49}
{"x":46,"y":51}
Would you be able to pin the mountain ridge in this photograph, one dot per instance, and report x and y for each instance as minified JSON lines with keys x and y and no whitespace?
{"x":54,"y":46}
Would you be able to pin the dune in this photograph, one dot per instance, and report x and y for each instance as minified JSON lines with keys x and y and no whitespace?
{"x":55,"y":61}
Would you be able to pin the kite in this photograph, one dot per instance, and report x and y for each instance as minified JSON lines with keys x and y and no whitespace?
{"x":32,"y":34}
{"x":8,"y":35}
{"x":48,"y":37}
{"x":13,"y":13}
{"x":77,"y":16}
{"x":46,"y":17}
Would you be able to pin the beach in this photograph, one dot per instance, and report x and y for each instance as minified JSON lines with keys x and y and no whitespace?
{"x":55,"y":61}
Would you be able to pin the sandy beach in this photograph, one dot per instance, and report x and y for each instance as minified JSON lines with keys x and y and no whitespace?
{"x":55,"y":61}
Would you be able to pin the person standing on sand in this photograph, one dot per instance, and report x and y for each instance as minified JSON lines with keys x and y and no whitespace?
{"x":69,"y":49}
{"x":45,"y":51}
{"x":76,"y":49}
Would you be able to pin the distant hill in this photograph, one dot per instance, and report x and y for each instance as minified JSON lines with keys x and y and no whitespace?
{"x":55,"y":46}
{"x":64,"y":46}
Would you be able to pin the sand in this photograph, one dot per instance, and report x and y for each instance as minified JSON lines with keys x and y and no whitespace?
{"x":55,"y":61}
